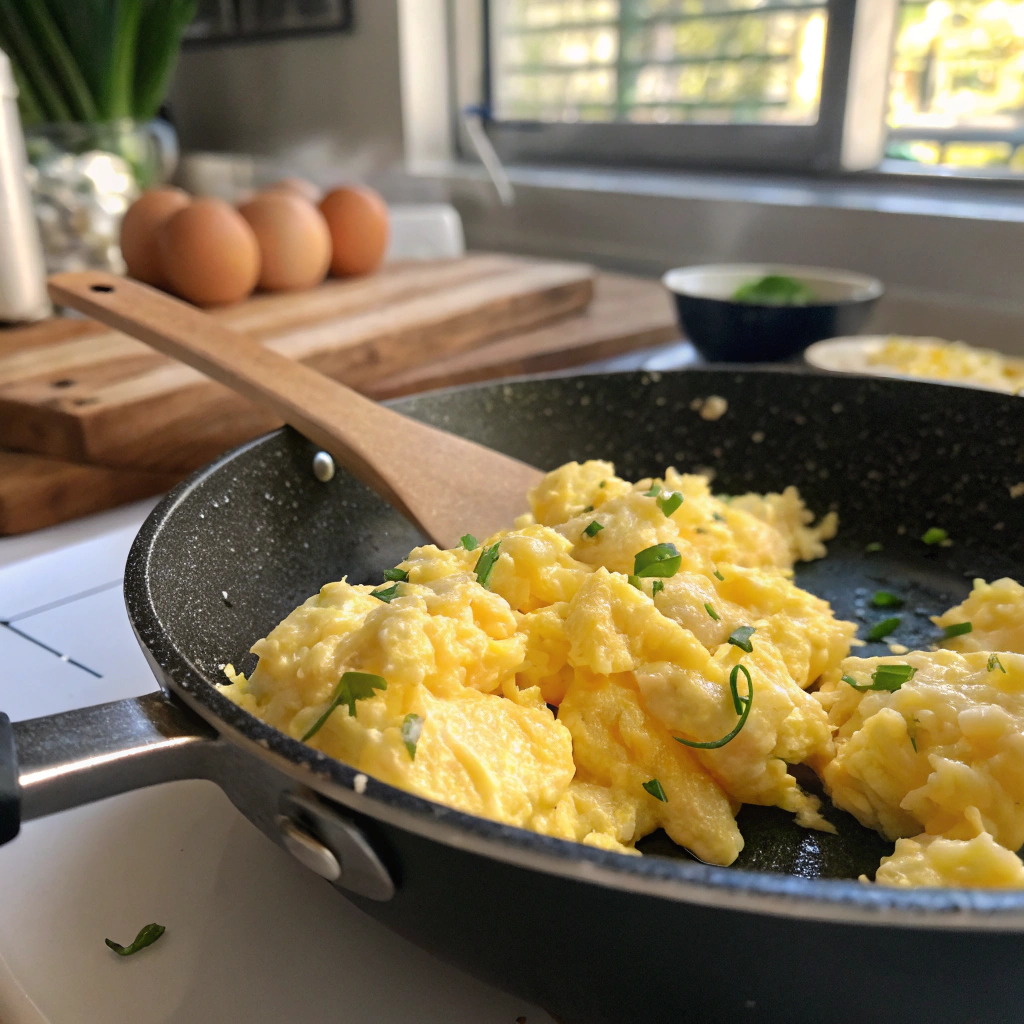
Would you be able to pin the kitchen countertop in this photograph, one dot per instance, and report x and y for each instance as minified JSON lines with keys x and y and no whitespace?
{"x":250,"y":935}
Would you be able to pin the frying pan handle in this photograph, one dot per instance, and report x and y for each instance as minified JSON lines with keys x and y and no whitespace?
{"x":62,"y":761}
{"x":10,"y":790}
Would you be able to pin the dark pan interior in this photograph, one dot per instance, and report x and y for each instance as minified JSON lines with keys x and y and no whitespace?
{"x":232,"y":551}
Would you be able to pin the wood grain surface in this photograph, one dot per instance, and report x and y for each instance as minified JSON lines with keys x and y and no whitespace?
{"x":101,"y":397}
{"x":445,"y":484}
{"x":626,"y":314}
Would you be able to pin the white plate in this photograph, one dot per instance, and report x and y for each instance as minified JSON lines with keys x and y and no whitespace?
{"x":851,"y":355}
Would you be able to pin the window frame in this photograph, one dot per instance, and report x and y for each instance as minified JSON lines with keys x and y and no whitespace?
{"x":855,"y":56}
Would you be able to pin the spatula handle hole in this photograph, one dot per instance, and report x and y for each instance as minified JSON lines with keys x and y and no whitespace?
{"x":101,"y":287}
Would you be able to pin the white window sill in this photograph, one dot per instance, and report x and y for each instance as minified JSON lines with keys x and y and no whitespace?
{"x":947,"y":250}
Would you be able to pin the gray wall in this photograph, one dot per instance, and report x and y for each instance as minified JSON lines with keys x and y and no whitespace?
{"x":266,"y":98}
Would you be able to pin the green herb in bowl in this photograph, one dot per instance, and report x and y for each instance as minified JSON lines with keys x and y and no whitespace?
{"x":775,"y":290}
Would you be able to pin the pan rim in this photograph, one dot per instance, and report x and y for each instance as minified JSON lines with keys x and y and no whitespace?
{"x":833,"y":900}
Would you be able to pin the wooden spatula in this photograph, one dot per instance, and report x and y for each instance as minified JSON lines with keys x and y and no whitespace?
{"x":446,"y":485}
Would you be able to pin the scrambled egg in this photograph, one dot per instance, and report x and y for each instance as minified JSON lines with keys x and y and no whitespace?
{"x":935,"y":359}
{"x":938,"y":764}
{"x":551,"y":679}
{"x":551,"y":691}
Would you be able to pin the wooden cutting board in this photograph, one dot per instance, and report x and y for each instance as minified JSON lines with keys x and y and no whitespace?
{"x":626,"y":314}
{"x":98,"y":396}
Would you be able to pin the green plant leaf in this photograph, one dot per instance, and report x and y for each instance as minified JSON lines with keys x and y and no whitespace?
{"x":159,"y":42}
{"x":54,"y":51}
{"x":23,"y":50}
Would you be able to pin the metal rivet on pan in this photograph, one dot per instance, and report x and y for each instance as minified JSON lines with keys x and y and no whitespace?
{"x":308,"y":850}
{"x":323,"y":467}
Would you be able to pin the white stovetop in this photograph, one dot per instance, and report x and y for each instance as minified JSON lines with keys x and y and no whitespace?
{"x":251,"y":936}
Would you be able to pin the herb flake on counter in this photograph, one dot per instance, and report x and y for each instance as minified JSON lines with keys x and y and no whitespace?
{"x":668,"y":503}
{"x":710,"y":609}
{"x":469,"y":542}
{"x":485,"y":563}
{"x":412,"y":726}
{"x":934,"y":535}
{"x":655,"y":789}
{"x":994,"y":663}
{"x":396,"y":575}
{"x":146,"y":937}
{"x":882,"y":629}
{"x":351,"y":687}
{"x":884,"y":599}
{"x":956,"y":629}
{"x":593,"y":529}
{"x":385,"y":594}
{"x":742,"y":706}
{"x":874,"y":546}
{"x":741,"y":638}
{"x":660,"y":560}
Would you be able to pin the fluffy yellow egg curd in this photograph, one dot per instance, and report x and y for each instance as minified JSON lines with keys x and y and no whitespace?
{"x":935,"y":359}
{"x":636,"y":656}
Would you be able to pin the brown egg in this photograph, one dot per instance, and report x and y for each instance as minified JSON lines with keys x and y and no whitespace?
{"x":300,"y":186}
{"x":358,"y":220}
{"x":295,"y":245}
{"x":139,"y":230}
{"x":209,"y":253}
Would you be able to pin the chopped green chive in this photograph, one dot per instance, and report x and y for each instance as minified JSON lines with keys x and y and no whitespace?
{"x":934,"y":535}
{"x":994,"y":663}
{"x":654,"y":788}
{"x":593,"y":529}
{"x":412,"y":726}
{"x":885,"y":677}
{"x":719,"y":576}
{"x":742,"y":706}
{"x":653,"y":492}
{"x":485,"y":563}
{"x":146,"y":937}
{"x":883,"y":599}
{"x":589,"y":508}
{"x":891,"y":677}
{"x":602,"y":483}
{"x":741,"y":638}
{"x":957,"y":629}
{"x":396,"y":575}
{"x":882,"y":629}
{"x":874,"y":546}
{"x":351,"y":687}
{"x":659,"y":560}
{"x":469,"y":542}
{"x":657,"y":587}
{"x":913,"y":741}
{"x":718,"y":517}
{"x":711,"y":611}
{"x":385,"y":594}
{"x":634,"y":581}
{"x":668,"y":503}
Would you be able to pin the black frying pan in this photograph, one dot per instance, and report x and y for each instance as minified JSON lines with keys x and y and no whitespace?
{"x":787,"y":934}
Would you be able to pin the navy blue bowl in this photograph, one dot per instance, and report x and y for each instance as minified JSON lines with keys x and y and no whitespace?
{"x":725,"y":331}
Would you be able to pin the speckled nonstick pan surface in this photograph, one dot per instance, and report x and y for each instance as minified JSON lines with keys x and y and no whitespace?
{"x":783,"y":935}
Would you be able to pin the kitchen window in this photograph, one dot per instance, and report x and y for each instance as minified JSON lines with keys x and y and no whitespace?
{"x":771,"y":84}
